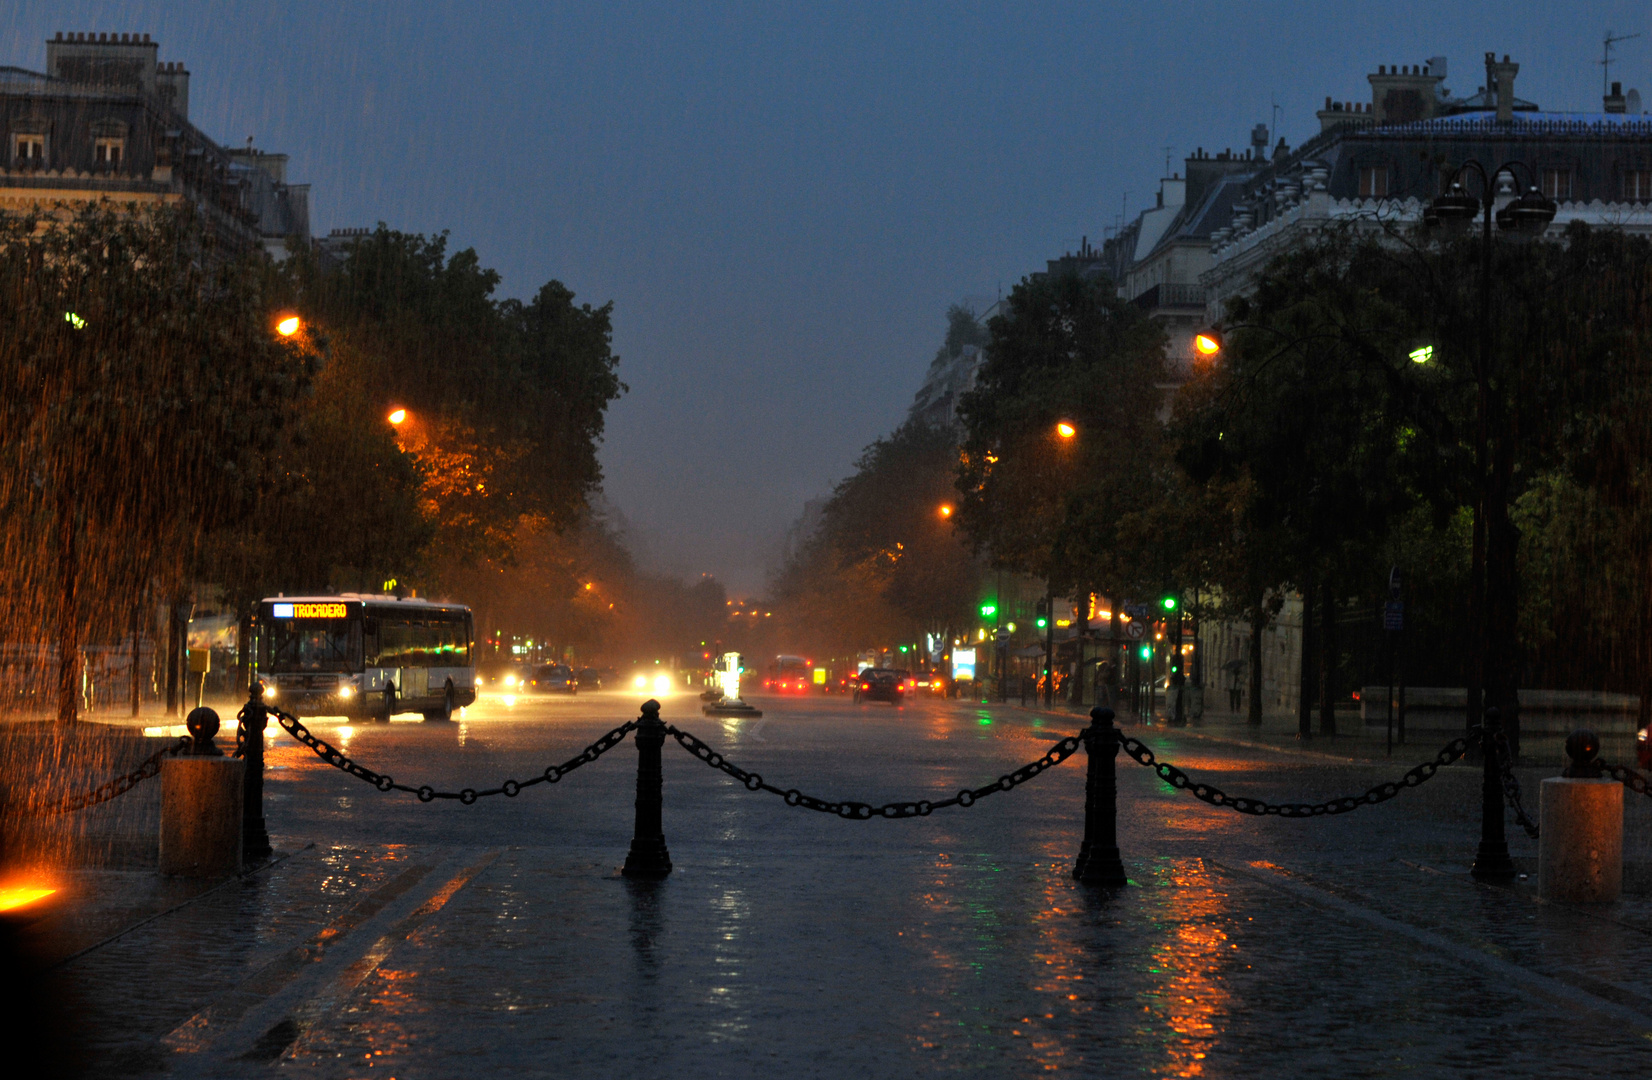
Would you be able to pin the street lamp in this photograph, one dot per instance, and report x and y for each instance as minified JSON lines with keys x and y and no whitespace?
{"x":1065,"y":429}
{"x":1207,"y":344}
{"x":396,"y":417}
{"x":1496,"y":541}
{"x":946,"y":510}
{"x":289,"y":325}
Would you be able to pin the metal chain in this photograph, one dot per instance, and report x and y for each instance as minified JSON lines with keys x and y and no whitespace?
{"x":1176,"y":778}
{"x":859,"y":811}
{"x":426,"y":793}
{"x":1511,"y":787}
{"x":1629,"y":778}
{"x":115,"y":788}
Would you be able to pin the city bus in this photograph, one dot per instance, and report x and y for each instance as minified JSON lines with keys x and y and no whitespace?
{"x":365,"y":657}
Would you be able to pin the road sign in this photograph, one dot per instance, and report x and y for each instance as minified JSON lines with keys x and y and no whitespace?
{"x":1135,"y":630}
{"x":1393,"y":615}
{"x":1000,"y":635}
{"x":1138,"y":611}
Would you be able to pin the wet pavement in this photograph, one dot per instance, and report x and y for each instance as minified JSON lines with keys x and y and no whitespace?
{"x":391,"y":938}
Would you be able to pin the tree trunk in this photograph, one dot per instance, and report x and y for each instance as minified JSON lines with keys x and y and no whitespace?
{"x":1305,"y":674}
{"x":137,"y":656}
{"x":68,"y":612}
{"x":1328,"y":660}
{"x":1258,"y":623}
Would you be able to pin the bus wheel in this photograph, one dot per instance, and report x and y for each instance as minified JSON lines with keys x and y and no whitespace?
{"x":446,"y":711}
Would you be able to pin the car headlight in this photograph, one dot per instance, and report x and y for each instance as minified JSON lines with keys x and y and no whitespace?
{"x":510,"y":680}
{"x":641,"y":682}
{"x":662,"y":684}
{"x":269,"y":692}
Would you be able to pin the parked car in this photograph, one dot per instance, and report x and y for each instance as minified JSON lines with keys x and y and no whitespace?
{"x":554,"y":679}
{"x":883,"y":684}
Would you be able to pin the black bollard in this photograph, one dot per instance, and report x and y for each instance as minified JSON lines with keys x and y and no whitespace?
{"x":255,"y":837}
{"x":1098,"y":856}
{"x":1491,"y":861}
{"x":648,"y":858}
{"x":1583,"y":747}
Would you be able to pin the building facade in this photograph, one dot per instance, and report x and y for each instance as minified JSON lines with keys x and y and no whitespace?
{"x":108,"y":119}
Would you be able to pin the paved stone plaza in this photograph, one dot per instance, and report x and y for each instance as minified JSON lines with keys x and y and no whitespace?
{"x":394,"y":939}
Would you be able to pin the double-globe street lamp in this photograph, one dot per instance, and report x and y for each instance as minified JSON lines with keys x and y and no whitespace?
{"x":1492,"y":693}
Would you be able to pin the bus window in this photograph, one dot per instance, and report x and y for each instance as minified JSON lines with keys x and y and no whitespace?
{"x":395,"y":643}
{"x":312,"y":645}
{"x":370,"y":642}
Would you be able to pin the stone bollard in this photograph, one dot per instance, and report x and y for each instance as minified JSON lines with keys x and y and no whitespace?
{"x":1580,"y":845}
{"x":648,"y":858}
{"x":1098,"y":855}
{"x":201,"y":806}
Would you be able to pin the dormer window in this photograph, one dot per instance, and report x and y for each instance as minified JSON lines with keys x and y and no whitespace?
{"x":1373,"y":182}
{"x":108,"y":152}
{"x":29,"y":149}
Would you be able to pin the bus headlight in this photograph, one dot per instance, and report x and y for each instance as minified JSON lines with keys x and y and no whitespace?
{"x":346,"y":691}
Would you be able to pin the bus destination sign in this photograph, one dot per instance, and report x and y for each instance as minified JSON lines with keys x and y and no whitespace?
{"x":308,"y":611}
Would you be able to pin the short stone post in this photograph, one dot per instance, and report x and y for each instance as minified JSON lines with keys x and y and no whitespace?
{"x":254,"y":718}
{"x":1098,"y":855}
{"x":1580,"y":846}
{"x":648,"y":858}
{"x":201,"y":806}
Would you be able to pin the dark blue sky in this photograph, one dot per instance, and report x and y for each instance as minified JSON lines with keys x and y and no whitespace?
{"x":782,"y":201}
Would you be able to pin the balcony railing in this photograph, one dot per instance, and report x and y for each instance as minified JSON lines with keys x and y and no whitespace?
{"x":1172,"y":295}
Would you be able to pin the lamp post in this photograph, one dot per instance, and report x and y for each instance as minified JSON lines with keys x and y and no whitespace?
{"x":1492,"y":680}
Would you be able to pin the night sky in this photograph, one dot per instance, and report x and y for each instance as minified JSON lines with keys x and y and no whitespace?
{"x":782,"y":201}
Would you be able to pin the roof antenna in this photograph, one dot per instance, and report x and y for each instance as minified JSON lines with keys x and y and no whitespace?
{"x":1278,"y":113}
{"x":1167,"y":153}
{"x":1606,"y":57}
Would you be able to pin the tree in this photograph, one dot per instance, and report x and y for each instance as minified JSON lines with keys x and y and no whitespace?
{"x":142,"y":385}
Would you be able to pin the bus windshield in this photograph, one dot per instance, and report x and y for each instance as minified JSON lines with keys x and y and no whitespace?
{"x":313,"y":645}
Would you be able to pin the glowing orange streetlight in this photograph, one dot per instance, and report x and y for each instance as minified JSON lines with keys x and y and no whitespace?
{"x":946,"y":510}
{"x":1207,"y":344}
{"x":1065,"y":430}
{"x":397,"y":416}
{"x":289,"y":326}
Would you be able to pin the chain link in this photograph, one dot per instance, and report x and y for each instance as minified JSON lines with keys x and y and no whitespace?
{"x":859,"y":811}
{"x":1511,"y":787}
{"x":384,"y":782}
{"x":1176,"y":778}
{"x":1629,"y":778}
{"x":115,"y":788}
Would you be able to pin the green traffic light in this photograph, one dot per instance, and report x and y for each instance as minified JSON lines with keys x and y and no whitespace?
{"x":1168,"y":603}
{"x":1147,"y":652}
{"x":1043,"y":622}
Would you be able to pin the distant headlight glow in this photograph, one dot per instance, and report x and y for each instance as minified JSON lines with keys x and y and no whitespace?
{"x":346,"y":691}
{"x":662,"y":684}
{"x":640,"y":682}
{"x":510,"y":680}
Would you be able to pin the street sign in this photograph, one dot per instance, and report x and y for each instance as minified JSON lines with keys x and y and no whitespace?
{"x":1000,"y":635}
{"x":1393,"y":615}
{"x":1138,"y":611}
{"x":1135,"y":630}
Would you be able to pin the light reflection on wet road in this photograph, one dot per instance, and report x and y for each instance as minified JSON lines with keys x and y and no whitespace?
{"x":791,"y":943}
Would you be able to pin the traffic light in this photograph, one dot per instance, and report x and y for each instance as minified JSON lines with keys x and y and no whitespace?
{"x":1043,"y":618}
{"x":1169,"y":603}
{"x":1146,"y":652}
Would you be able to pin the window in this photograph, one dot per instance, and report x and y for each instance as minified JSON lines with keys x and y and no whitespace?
{"x":30,"y":148}
{"x":1557,"y":183}
{"x":108,"y":151}
{"x":1373,"y":182}
{"x":1637,"y":185}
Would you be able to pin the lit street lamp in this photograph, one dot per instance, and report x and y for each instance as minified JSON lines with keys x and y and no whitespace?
{"x":289,"y":325}
{"x":396,"y":417}
{"x":1207,"y":344}
{"x":1065,"y":429}
{"x":1495,"y":544}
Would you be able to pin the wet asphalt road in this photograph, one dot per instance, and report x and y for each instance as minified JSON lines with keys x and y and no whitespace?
{"x":399,"y":939}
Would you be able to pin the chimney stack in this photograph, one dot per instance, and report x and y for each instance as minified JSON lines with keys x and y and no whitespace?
{"x":1500,"y":81}
{"x":1615,"y":102}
